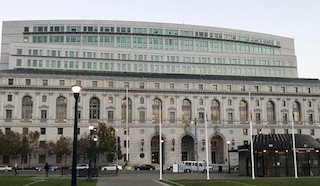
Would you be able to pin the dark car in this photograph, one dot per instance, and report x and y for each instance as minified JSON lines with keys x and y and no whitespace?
{"x":144,"y":167}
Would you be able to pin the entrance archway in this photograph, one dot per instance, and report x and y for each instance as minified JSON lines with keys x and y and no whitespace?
{"x":187,"y":148}
{"x":217,"y":155}
{"x":155,"y":156}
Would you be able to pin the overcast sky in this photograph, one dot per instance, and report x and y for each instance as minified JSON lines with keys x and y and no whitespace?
{"x":297,"y":19}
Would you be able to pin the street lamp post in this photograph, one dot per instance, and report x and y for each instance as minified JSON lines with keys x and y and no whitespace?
{"x":95,"y":139}
{"x":90,"y":153}
{"x":196,"y":143}
{"x":228,"y":143}
{"x":76,"y":92}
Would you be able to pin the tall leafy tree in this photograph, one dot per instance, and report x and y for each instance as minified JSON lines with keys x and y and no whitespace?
{"x":83,"y":145}
{"x":62,"y":148}
{"x":106,"y":136}
{"x":11,"y":144}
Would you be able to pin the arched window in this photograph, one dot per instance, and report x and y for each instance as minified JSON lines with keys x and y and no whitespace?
{"x":27,"y":105}
{"x":155,"y":110}
{"x":94,"y":109}
{"x":296,"y":112}
{"x":124,"y":110}
{"x":61,"y":109}
{"x":243,"y":109}
{"x":215,"y":111}
{"x":186,"y":111}
{"x":271,"y":117}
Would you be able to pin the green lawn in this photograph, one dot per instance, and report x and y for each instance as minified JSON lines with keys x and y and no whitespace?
{"x":23,"y":180}
{"x":249,"y":182}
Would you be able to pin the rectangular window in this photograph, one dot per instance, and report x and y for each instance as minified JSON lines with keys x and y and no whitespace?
{"x":245,"y":132}
{"x":200,"y":101}
{"x":60,"y":131}
{"x":272,"y":131}
{"x":110,"y":99}
{"x":172,"y":117}
{"x":7,"y":130}
{"x":200,"y":86}
{"x":141,"y":85}
{"x":10,"y":81}
{"x":8,"y":115}
{"x":25,"y":130}
{"x":157,"y":85}
{"x":171,"y":85}
{"x":295,"y":89}
{"x":9,"y":98}
{"x":110,"y":84}
{"x":228,"y":87}
{"x":256,"y":88}
{"x":44,"y":98}
{"x":42,"y":144}
{"x":78,"y":82}
{"x":215,"y":87}
{"x":110,"y":116}
{"x":286,"y":131}
{"x":310,"y":119}
{"x":269,"y":88}
{"x":95,"y":84}
{"x":285,"y":118}
{"x":258,"y":118}
{"x":142,"y":116}
{"x":62,"y":83}
{"x":312,"y":132}
{"x":259,"y":131}
{"x":298,"y":131}
{"x":43,"y":116}
{"x":171,"y":101}
{"x":43,"y":131}
{"x":243,"y":88}
{"x":141,"y":100}
{"x":45,"y":82}
{"x":28,"y":81}
{"x":186,"y":86}
{"x":283,"y":89}
{"x":230,"y":118}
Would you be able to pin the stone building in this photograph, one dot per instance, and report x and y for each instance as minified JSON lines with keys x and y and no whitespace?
{"x":191,"y":71}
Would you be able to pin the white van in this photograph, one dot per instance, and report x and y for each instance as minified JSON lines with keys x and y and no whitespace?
{"x":194,"y":166}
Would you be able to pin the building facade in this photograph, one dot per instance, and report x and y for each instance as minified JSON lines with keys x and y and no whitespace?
{"x":177,"y":73}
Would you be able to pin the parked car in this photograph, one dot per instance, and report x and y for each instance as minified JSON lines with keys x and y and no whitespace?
{"x":82,"y":166}
{"x":144,"y":167}
{"x":5,"y":168}
{"x":111,"y":167}
{"x":51,"y":168}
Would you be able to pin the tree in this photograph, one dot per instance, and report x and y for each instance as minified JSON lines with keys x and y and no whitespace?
{"x":11,"y":144}
{"x":106,"y":136}
{"x":83,"y":145}
{"x":33,"y":138}
{"x":28,"y":145}
{"x":61,"y":148}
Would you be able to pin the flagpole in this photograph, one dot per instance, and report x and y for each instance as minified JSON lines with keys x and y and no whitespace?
{"x":251,"y":138}
{"x":294,"y":146}
{"x":160,"y":142}
{"x":127,"y":125}
{"x":206,"y":143}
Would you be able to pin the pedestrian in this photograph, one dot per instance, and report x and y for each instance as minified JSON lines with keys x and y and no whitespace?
{"x":46,"y":167}
{"x":15,"y":168}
